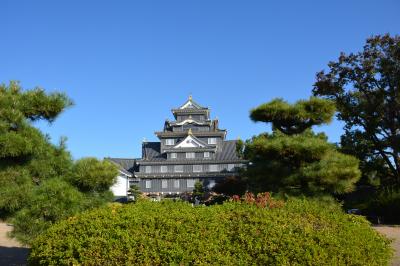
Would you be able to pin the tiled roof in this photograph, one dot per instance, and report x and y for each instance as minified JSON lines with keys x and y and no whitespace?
{"x":151,"y":151}
{"x":185,"y":175}
{"x":193,"y":139}
{"x":190,"y":111}
{"x":220,"y":132}
{"x":198,"y":149}
{"x":227,"y":152}
{"x":126,"y":165}
{"x":190,"y":104}
{"x":190,"y":121}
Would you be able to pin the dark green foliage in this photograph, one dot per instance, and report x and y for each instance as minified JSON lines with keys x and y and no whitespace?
{"x":175,"y":233}
{"x":231,"y":185}
{"x":293,"y":159}
{"x":16,"y":187}
{"x":385,"y":206}
{"x":18,"y":139}
{"x":366,"y":89}
{"x":53,"y":200}
{"x":26,"y":155}
{"x":134,"y":191}
{"x":198,"y":190}
{"x":294,"y":118}
{"x":92,"y":175}
{"x":239,"y":147}
{"x":34,"y":173}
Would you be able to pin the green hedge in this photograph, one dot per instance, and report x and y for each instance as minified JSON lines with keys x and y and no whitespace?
{"x":302,"y":232}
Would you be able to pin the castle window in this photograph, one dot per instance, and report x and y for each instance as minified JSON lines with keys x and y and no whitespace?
{"x":164,"y":183}
{"x":190,"y":155}
{"x":213,"y":167}
{"x":178,"y":168}
{"x":197,"y":168}
{"x":207,"y":154}
{"x":148,"y":183}
{"x":190,"y":182}
{"x":173,"y":155}
{"x":169,"y":142}
{"x":164,"y":169}
{"x":147,"y":169}
{"x":176,"y":183}
{"x":212,"y":140}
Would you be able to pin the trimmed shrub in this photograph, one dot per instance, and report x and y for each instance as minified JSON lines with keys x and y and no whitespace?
{"x":300,"y":232}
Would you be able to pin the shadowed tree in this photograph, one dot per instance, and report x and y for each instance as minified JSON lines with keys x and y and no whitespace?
{"x":231,"y":185}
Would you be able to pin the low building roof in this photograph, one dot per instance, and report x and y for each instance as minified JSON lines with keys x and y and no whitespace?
{"x":127,"y":166}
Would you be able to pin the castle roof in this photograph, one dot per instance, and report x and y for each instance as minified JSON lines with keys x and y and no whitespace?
{"x":191,"y":137}
{"x":191,"y":104}
{"x":153,"y":153}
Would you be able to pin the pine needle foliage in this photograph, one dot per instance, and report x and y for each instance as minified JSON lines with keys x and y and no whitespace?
{"x":39,"y":182}
{"x":293,"y":159}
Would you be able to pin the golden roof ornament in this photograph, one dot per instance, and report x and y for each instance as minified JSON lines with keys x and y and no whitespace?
{"x":190,"y":97}
{"x":190,"y":131}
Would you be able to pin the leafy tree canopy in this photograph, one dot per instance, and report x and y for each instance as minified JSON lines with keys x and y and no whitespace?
{"x":365,"y":87}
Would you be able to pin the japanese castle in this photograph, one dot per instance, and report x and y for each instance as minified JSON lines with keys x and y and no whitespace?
{"x":191,"y":148}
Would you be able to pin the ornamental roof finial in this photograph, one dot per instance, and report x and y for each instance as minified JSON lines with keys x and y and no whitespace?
{"x":190,"y":131}
{"x":190,"y":97}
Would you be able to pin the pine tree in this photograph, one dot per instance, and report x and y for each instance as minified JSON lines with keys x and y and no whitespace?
{"x":39,"y":182}
{"x":198,"y":190}
{"x":293,"y":159}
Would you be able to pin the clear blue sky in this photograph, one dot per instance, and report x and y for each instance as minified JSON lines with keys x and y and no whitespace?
{"x":127,"y":63}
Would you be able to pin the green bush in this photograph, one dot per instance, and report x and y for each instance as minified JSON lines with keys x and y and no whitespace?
{"x":53,"y":200}
{"x":301,"y":232}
